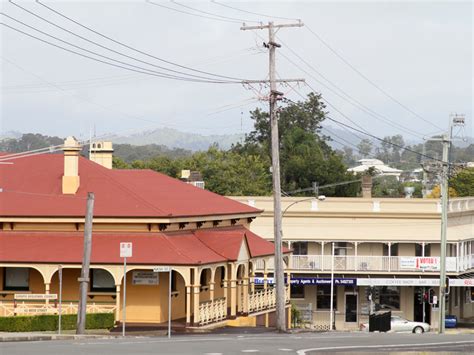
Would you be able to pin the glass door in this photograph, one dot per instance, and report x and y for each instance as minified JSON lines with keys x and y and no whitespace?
{"x":351,"y":307}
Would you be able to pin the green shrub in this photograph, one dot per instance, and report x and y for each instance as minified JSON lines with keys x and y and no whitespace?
{"x":50,"y":322}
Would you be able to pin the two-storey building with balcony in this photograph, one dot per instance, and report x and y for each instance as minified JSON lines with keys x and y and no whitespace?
{"x":387,"y":247}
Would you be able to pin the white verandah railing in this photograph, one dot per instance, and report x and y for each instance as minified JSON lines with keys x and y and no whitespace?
{"x":264,"y":299}
{"x":372,"y":263}
{"x":212,"y":311}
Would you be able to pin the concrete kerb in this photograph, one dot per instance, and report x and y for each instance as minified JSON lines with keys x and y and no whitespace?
{"x":15,"y":337}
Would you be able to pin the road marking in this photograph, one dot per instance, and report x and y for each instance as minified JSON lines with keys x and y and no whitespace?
{"x":250,"y":351}
{"x":285,"y":349}
{"x":304,"y":351}
{"x":212,"y":353}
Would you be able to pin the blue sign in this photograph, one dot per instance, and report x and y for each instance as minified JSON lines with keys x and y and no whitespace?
{"x":338,"y":281}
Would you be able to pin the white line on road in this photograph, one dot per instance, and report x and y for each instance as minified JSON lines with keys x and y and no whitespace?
{"x":250,"y":351}
{"x":304,"y":351}
{"x":285,"y":349}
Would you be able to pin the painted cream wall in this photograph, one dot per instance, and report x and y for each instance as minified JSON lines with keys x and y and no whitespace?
{"x":149,"y":303}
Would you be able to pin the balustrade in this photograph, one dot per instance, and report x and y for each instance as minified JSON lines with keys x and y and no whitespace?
{"x":212,"y":311}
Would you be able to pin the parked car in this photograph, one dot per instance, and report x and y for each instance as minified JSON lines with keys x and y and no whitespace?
{"x":399,"y":324}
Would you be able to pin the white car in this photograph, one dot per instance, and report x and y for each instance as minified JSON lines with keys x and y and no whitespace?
{"x":399,"y":324}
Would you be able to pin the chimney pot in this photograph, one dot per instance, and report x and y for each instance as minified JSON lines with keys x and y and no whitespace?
{"x":102,"y":154}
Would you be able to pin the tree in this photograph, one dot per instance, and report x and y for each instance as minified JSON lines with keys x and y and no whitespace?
{"x":463,"y":182}
{"x":305,"y":156}
{"x":365,"y":147}
{"x":436,"y":192}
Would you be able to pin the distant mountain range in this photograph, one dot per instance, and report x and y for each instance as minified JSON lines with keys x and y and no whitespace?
{"x":173,"y":138}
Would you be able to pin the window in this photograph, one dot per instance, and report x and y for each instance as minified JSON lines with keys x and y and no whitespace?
{"x":323,"y":297}
{"x":300,"y":248}
{"x":203,"y":279}
{"x":418,"y":250}
{"x":297,"y":291}
{"x":16,"y":279}
{"x":102,"y":281}
{"x":389,"y":297}
{"x":340,"y":248}
{"x":393,"y":250}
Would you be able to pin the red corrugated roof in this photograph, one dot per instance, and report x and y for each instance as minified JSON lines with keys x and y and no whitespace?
{"x":174,"y":248}
{"x":32,"y":187}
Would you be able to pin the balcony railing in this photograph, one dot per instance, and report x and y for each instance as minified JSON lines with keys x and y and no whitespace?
{"x":264,"y":299}
{"x":379,"y":263}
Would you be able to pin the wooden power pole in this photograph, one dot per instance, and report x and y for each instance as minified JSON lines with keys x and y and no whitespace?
{"x":273,"y":98}
{"x":86,"y":260}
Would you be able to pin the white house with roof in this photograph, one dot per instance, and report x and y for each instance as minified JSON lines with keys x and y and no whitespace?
{"x":378,"y":165}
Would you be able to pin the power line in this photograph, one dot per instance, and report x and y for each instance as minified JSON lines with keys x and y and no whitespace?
{"x":233,"y":19}
{"x":133,"y":48}
{"x":326,"y":44}
{"x":253,"y":13}
{"x":96,"y":43}
{"x":190,"y":13}
{"x":141,"y":70}
{"x":348,"y":97}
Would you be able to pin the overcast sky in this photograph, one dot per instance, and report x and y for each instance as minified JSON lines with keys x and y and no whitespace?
{"x":418,"y":52}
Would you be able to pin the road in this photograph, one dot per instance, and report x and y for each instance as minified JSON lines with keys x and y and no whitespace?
{"x":263,"y":343}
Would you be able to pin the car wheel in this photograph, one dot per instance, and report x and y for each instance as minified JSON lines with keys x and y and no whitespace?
{"x":418,"y":330}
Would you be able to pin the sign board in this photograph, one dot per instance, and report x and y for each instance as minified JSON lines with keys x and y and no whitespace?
{"x":311,"y":281}
{"x":429,"y":263}
{"x":435,"y":299}
{"x":161,"y":269}
{"x":126,"y":250}
{"x":412,"y":282}
{"x":35,"y":296}
{"x":149,"y":278}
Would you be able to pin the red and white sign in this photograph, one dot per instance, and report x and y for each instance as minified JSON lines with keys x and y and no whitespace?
{"x":126,"y":250}
{"x":429,"y":263}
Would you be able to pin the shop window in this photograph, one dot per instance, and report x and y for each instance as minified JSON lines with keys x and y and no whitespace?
{"x":389,"y":297}
{"x":323,"y":297}
{"x":297,"y":291}
{"x":300,"y":248}
{"x":102,"y":281}
{"x":456,"y":297}
{"x":16,"y":279}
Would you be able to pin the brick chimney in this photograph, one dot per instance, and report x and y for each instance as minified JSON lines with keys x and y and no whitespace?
{"x":71,"y":180}
{"x":102,"y":153}
{"x":366,"y":186}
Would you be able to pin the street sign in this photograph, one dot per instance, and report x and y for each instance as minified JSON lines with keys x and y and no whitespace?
{"x":126,"y":250}
{"x":35,"y":296}
{"x":161,"y":269}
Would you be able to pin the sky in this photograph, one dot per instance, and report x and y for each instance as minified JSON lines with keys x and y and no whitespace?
{"x":409,"y":63}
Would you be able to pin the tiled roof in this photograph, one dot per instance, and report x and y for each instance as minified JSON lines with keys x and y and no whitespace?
{"x":175,"y":248}
{"x":32,"y":186}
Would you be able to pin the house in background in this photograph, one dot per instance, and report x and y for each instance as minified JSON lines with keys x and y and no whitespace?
{"x":378,"y":165}
{"x":203,"y":237}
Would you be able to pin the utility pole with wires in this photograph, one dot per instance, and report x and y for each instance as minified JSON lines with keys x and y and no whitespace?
{"x":444,"y":172}
{"x":273,"y":99}
{"x":86,"y":260}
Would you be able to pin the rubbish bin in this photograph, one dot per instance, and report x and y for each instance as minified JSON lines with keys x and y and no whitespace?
{"x":451,"y":321}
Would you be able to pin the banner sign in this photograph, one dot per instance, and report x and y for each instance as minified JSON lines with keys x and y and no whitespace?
{"x":311,"y":281}
{"x":145,"y":278}
{"x":430,"y":263}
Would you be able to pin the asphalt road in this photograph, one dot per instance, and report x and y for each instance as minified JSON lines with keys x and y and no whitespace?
{"x":263,"y":343}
